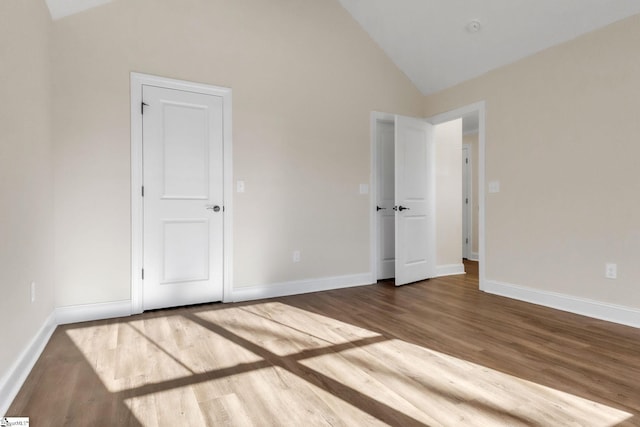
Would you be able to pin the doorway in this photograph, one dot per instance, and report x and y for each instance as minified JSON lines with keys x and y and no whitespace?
{"x":181,"y":193}
{"x":474,"y":113}
{"x":477,"y":110}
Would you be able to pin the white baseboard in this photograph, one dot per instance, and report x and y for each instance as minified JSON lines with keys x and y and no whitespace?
{"x":89,"y":312}
{"x":12,"y":381}
{"x":449,"y":270}
{"x":599,"y":310}
{"x":300,"y":287}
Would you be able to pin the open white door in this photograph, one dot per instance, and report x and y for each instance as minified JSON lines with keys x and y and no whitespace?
{"x":466,"y":202}
{"x":415,"y":200}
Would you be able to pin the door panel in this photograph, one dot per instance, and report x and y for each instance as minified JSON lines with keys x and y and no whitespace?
{"x":186,"y":145}
{"x":415,"y":250}
{"x":414,"y":199}
{"x":183,"y":180}
{"x":185,"y":251}
{"x":413,"y":156}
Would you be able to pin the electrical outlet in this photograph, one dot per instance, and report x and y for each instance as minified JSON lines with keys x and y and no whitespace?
{"x":296,"y":256}
{"x":611,"y":271}
{"x":33,"y":292}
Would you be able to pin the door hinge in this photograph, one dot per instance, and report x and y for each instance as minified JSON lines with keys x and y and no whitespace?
{"x":467,"y":241}
{"x":142,"y":192}
{"x":466,"y":160}
{"x":142,"y":105}
{"x":143,"y":274}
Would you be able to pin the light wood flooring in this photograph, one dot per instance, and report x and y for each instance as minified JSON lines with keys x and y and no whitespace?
{"x":437,"y":352}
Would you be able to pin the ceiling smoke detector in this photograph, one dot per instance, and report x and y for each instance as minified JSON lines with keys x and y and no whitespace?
{"x":474,"y":26}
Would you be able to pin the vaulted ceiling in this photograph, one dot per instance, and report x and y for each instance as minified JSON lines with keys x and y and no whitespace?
{"x":440,"y":43}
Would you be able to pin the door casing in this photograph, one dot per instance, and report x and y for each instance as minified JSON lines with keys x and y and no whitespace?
{"x":139,"y":80}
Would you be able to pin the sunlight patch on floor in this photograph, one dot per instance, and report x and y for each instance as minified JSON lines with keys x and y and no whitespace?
{"x":131,"y":354}
{"x":269,"y":396}
{"x":454,"y":391}
{"x":285,"y":330}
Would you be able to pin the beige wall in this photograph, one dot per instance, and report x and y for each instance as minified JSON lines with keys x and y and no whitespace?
{"x":26,"y":228}
{"x":448,"y":137}
{"x":472,"y":140}
{"x":561,"y":136}
{"x":305,"y":78}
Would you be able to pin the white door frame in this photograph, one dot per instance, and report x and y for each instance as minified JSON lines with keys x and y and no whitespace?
{"x":480,"y":109}
{"x":139,"y":80}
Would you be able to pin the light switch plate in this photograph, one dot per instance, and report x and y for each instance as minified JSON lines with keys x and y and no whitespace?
{"x":611,"y":270}
{"x":240,"y":186}
{"x":494,"y":186}
{"x":364,"y":188}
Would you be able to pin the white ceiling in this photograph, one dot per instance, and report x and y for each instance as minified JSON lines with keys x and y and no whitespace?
{"x":427,"y":39}
{"x":61,"y":8}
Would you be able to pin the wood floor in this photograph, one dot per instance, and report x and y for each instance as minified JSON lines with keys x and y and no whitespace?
{"x":437,"y":352}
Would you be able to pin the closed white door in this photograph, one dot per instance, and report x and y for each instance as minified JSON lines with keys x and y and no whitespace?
{"x":385,"y":199}
{"x":183,"y":197}
{"x":415,"y":200}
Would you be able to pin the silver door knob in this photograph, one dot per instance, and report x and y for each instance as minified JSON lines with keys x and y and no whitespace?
{"x":214,"y":208}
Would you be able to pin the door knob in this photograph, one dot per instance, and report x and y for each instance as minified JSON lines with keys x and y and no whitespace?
{"x":378,"y":208}
{"x":214,"y":208}
{"x":400,"y":208}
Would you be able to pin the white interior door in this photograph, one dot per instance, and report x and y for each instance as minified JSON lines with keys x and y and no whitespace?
{"x":466,"y":203}
{"x":415,"y":200}
{"x":183,"y":197}
{"x":385,"y":199}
